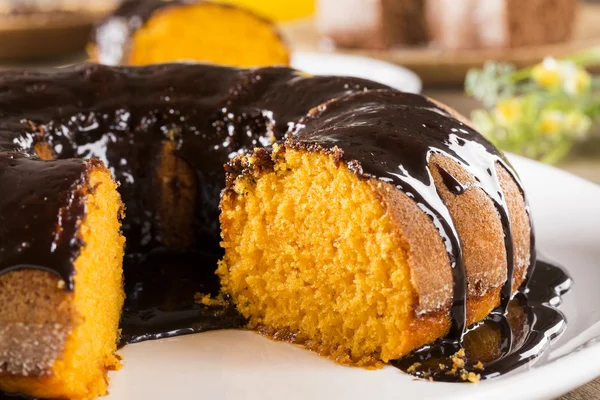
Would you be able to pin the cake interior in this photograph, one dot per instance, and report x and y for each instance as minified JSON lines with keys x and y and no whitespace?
{"x":89,"y":352}
{"x":205,"y":32}
{"x":355,"y":306}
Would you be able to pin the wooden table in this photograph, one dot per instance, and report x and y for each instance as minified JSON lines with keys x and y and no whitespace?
{"x":584,"y":162}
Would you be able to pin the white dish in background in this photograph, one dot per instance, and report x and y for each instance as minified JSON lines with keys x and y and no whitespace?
{"x":361,"y":67}
{"x":243,"y":365}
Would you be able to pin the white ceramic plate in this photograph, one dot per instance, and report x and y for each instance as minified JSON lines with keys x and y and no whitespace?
{"x":361,"y":67}
{"x":243,"y":365}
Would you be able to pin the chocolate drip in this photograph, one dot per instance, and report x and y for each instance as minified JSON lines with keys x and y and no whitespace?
{"x":390,"y":136}
{"x":451,"y":183}
{"x":505,"y":340}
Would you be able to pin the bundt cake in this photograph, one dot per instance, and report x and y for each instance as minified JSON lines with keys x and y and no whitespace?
{"x":61,"y":282}
{"x":356,"y":220}
{"x":135,"y":34}
{"x":382,"y":222}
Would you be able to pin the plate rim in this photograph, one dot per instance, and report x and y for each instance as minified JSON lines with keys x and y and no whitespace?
{"x":410,"y":75}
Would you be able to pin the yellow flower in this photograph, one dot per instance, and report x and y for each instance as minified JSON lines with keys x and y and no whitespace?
{"x":551,"y":122}
{"x":547,"y":74}
{"x":579,"y":82}
{"x":508,"y":110}
{"x":577,"y":124}
{"x":552,"y":74}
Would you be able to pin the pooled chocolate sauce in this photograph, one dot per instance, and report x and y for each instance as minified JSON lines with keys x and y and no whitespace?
{"x":162,"y":291}
{"x":503,"y":341}
{"x":161,"y":304}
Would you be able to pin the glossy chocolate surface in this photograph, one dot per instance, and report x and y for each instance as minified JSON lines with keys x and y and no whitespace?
{"x":124,"y":117}
{"x":41,"y":205}
{"x":390,"y":136}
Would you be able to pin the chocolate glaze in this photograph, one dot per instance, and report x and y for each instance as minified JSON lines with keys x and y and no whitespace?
{"x":41,"y":206}
{"x":390,"y":136}
{"x":504,"y":341}
{"x":124,"y":116}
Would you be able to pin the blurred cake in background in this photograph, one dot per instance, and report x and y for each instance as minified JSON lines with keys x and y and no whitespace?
{"x":373,"y":24}
{"x":142,"y":32}
{"x":46,"y":29}
{"x":448,"y":24}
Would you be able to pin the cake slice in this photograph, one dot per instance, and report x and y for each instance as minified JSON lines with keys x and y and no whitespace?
{"x":372,"y":229}
{"x":61,"y":286}
{"x":144,"y":32}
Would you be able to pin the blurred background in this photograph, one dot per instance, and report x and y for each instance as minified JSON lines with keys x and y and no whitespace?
{"x":525,"y":72}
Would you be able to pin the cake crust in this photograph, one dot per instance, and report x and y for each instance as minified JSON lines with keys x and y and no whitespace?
{"x":37,"y":317}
